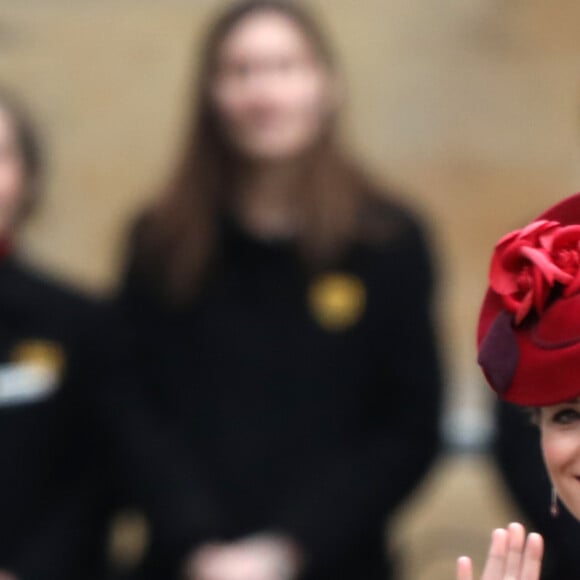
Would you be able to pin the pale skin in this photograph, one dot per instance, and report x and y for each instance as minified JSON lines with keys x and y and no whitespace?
{"x":513,"y":555}
{"x":273,"y":97}
{"x":12,"y":176}
{"x":260,"y":557}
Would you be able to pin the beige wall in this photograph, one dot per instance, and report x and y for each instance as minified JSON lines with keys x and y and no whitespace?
{"x":471,"y":108}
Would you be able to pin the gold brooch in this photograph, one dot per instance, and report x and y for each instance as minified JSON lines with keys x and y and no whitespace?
{"x":337,"y":300}
{"x":44,"y":354}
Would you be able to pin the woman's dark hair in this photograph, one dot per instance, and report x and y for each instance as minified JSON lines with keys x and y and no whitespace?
{"x":179,"y":236}
{"x":28,"y":146}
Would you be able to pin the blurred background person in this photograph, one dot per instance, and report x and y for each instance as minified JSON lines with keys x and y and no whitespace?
{"x":519,"y":457}
{"x":53,"y":505}
{"x":282,"y":306}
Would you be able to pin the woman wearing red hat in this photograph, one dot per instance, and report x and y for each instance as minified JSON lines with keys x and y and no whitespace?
{"x":529,"y":350}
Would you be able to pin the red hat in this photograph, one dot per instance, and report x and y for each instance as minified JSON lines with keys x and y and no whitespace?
{"x":529,"y":326}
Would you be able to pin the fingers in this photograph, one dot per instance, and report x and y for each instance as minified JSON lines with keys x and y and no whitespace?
{"x":515,"y":551}
{"x":532,"y":561}
{"x":511,"y":556}
{"x":496,"y":557}
{"x":464,"y":568}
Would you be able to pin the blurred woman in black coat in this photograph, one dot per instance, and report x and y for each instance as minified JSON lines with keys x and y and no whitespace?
{"x":282,"y":310}
{"x":53,"y":512}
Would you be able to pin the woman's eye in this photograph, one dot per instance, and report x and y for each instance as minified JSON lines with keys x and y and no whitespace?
{"x":566,"y":416}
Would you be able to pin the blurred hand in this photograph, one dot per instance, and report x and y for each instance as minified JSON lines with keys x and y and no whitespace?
{"x":511,"y":556}
{"x":261,"y":557}
{"x":7,"y":576}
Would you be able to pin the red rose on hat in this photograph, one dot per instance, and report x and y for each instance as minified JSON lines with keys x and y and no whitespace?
{"x":529,"y":326}
{"x":529,"y":263}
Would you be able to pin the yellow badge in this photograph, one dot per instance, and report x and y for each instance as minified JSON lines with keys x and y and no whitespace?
{"x":40,"y":353}
{"x":337,"y":300}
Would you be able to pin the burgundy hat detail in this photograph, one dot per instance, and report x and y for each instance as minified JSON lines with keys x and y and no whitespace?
{"x":529,"y":325}
{"x":499,"y":352}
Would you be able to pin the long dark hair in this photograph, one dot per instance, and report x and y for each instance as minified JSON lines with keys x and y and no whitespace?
{"x":179,"y":235}
{"x":28,"y":146}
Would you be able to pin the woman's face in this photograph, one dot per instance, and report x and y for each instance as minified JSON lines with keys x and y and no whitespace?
{"x":560,"y":428}
{"x":12,"y":174}
{"x":272,"y":94}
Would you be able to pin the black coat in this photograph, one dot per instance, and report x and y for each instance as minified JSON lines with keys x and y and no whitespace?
{"x":301,"y":403}
{"x":53,"y":509}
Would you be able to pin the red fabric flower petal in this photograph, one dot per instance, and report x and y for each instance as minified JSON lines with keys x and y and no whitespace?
{"x":543,"y":261}
{"x":524,"y":307}
{"x":504,"y":266}
{"x":511,"y":303}
{"x":566,"y":236}
{"x":574,"y":286}
{"x":541,"y":290}
{"x":528,"y":263}
{"x":536,"y":227}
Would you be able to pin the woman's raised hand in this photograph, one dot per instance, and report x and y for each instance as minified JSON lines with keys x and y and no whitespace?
{"x":511,"y":556}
